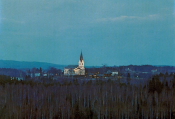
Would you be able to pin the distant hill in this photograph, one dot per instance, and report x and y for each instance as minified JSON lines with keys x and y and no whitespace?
{"x":24,"y":64}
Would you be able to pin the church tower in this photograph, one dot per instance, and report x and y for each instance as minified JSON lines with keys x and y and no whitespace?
{"x":81,"y":61}
{"x":80,"y":70}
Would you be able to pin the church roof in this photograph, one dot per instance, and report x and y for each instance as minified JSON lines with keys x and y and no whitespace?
{"x":81,"y":56}
{"x":71,"y":66}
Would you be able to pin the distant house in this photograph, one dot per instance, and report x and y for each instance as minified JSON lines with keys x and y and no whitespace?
{"x":154,"y":71}
{"x":37,"y":74}
{"x":74,"y":69}
{"x":114,"y":73}
{"x":19,"y":78}
{"x":45,"y":74}
{"x":108,"y":73}
{"x":69,"y":70}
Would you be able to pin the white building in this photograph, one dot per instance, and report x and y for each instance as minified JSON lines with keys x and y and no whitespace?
{"x":114,"y":73}
{"x":74,"y":70}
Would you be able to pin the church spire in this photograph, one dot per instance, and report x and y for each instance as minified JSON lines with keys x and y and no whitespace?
{"x":81,"y":56}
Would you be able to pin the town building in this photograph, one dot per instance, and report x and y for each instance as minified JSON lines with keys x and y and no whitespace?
{"x":74,"y":69}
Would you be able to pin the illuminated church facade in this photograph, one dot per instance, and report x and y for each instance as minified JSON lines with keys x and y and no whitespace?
{"x":74,"y":70}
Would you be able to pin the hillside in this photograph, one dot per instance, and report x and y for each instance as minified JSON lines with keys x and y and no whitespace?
{"x":24,"y":64}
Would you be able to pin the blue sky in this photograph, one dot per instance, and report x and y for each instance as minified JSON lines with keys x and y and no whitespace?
{"x":111,"y":32}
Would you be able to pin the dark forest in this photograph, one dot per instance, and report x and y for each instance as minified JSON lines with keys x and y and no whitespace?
{"x":90,"y":99}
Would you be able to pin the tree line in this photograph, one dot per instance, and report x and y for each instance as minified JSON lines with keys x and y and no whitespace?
{"x":90,"y":99}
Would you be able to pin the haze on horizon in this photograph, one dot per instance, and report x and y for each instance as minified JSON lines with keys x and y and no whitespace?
{"x":115,"y":32}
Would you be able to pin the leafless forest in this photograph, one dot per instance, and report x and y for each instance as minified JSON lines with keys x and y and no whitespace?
{"x":93,"y":99}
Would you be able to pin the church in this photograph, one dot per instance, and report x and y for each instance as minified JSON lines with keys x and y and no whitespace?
{"x":74,"y":70}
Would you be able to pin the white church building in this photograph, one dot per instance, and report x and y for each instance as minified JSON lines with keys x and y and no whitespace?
{"x":74,"y":70}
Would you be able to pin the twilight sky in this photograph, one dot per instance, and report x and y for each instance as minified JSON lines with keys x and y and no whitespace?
{"x":111,"y":32}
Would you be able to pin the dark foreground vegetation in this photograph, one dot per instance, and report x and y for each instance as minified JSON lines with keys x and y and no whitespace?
{"x":91,"y":99}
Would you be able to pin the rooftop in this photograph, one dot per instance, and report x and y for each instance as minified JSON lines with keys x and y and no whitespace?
{"x":71,"y":66}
